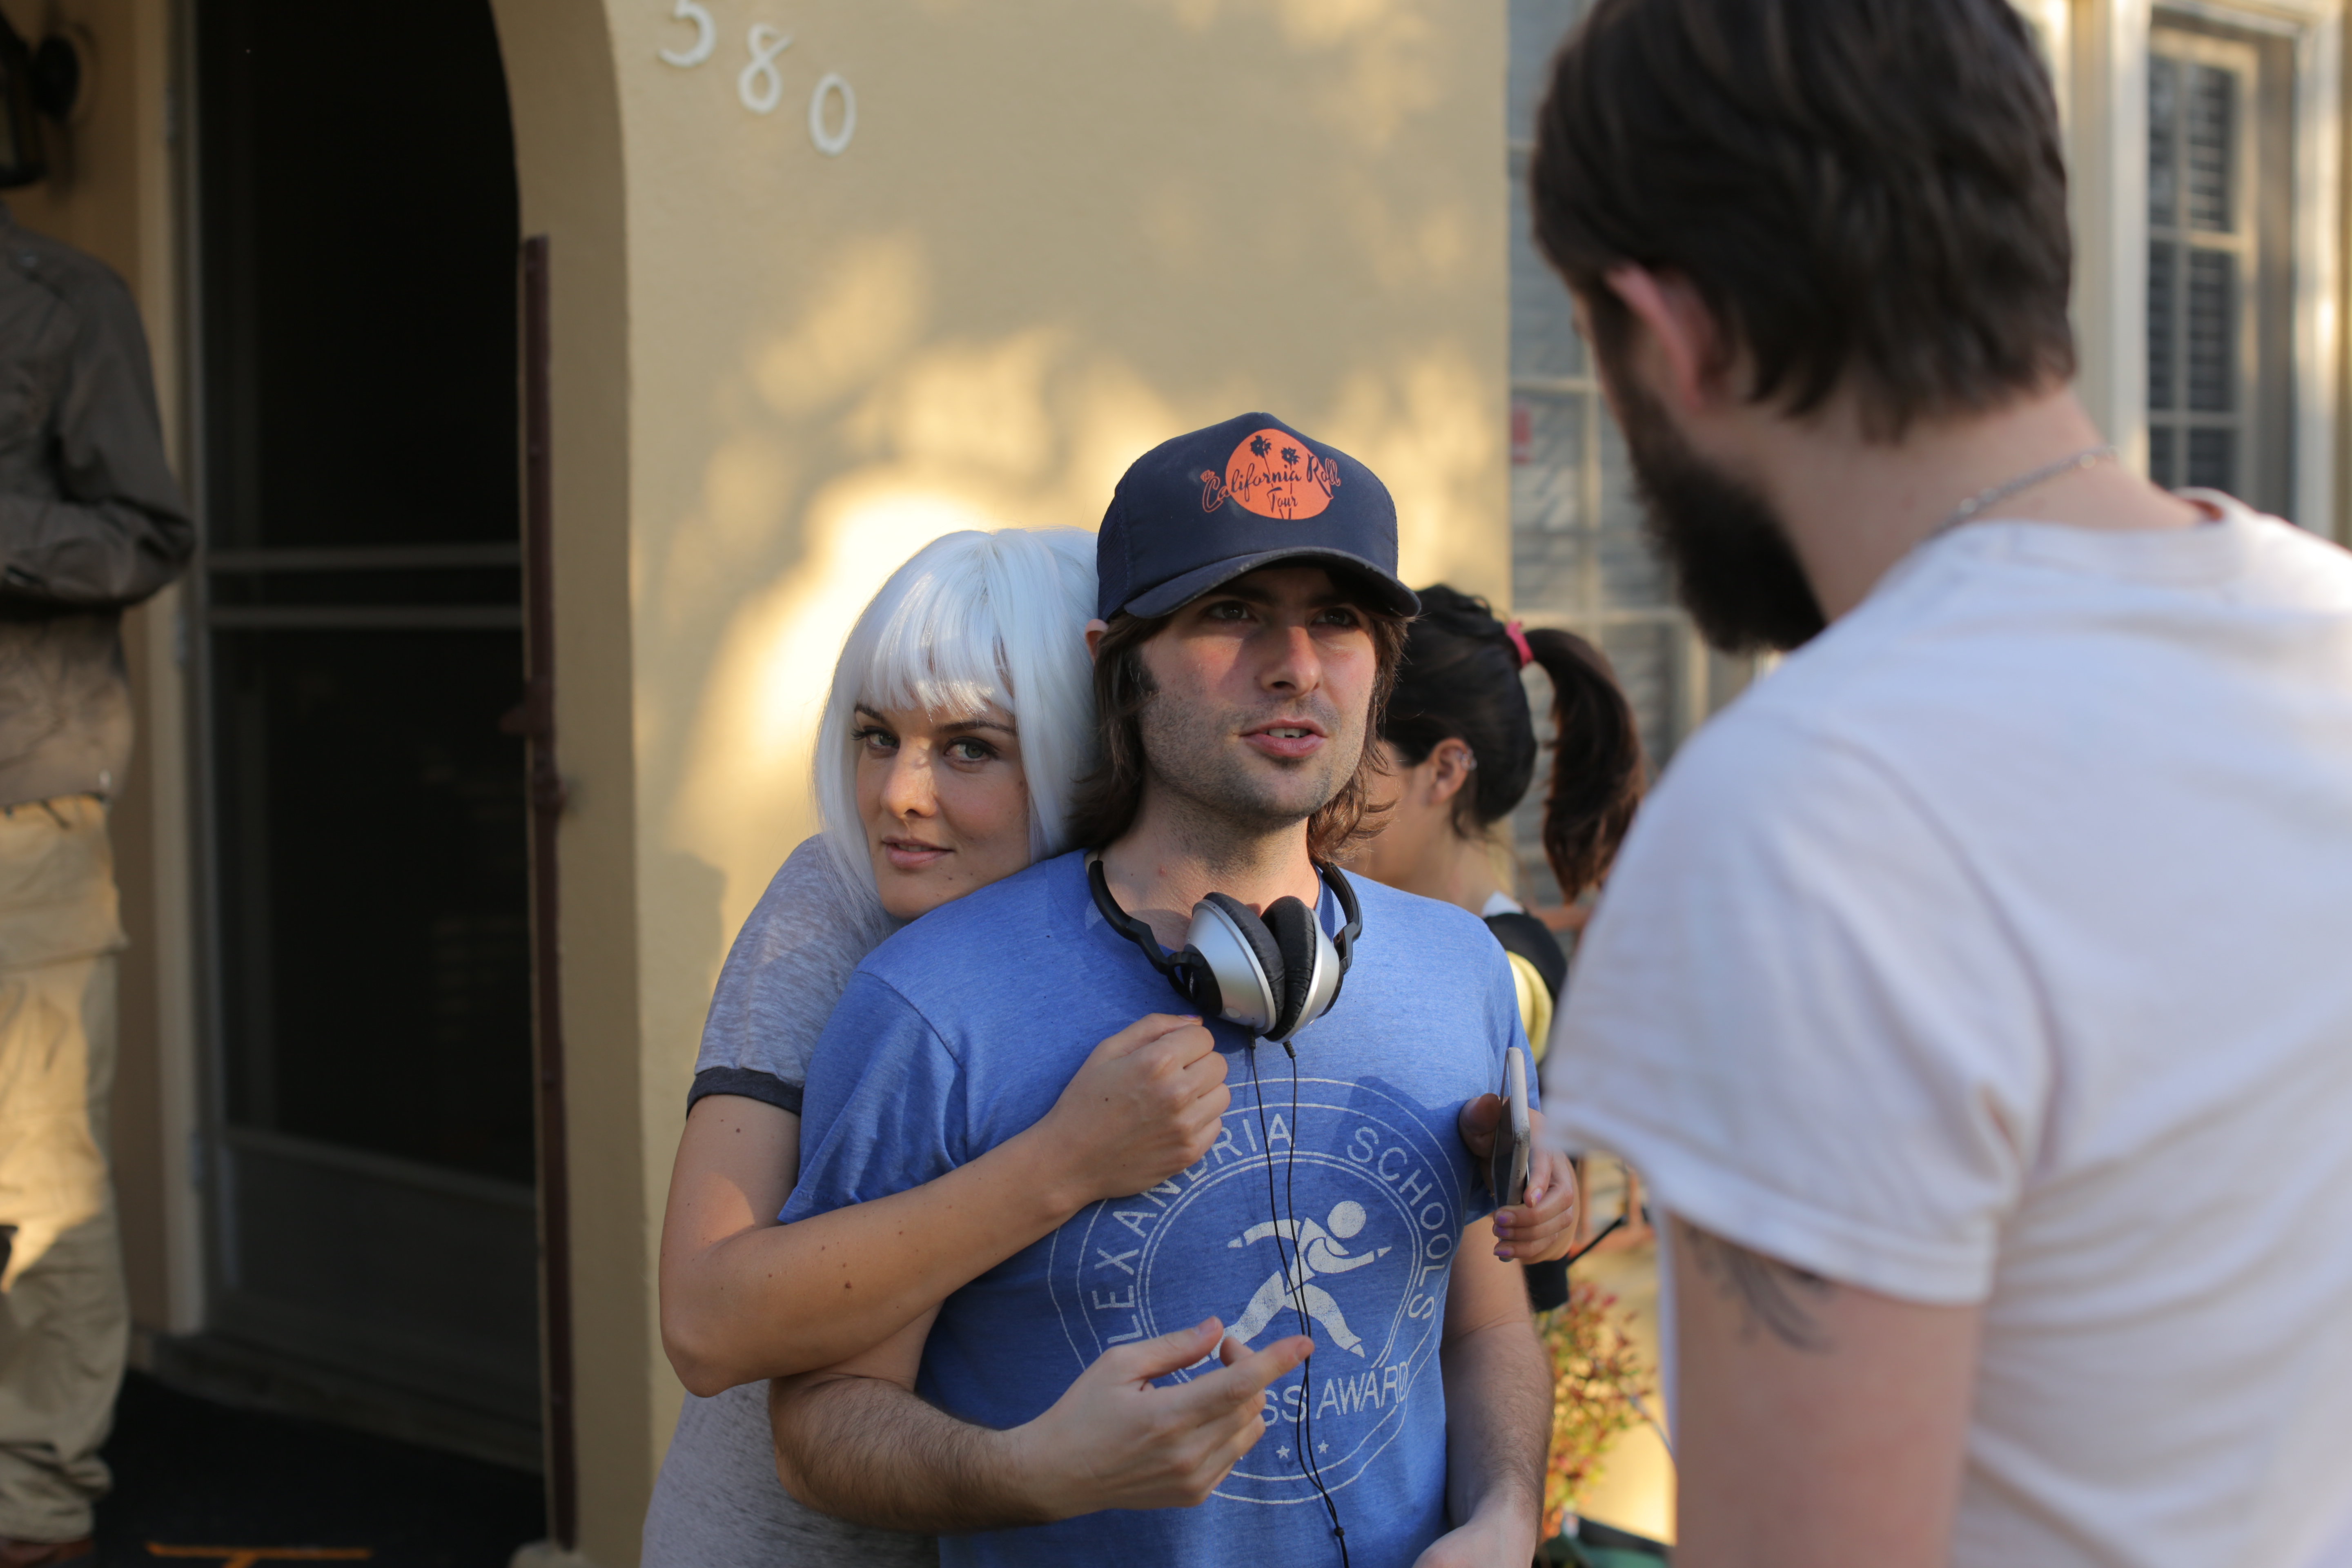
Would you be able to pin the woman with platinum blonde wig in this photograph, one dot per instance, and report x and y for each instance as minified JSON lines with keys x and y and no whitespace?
{"x":959,"y":718}
{"x":972,"y":620}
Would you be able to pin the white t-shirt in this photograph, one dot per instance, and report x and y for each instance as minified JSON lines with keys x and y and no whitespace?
{"x":1998,"y":949}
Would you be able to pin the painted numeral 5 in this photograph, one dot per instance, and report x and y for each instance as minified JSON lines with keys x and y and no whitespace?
{"x":706,"y":35}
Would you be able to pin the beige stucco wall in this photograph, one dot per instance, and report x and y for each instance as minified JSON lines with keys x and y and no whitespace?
{"x":1061,"y":233}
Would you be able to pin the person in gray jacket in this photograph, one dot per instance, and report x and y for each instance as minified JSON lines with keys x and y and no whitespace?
{"x":91,"y":521}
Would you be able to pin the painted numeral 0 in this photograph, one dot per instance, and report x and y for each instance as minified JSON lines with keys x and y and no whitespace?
{"x":832,"y":143}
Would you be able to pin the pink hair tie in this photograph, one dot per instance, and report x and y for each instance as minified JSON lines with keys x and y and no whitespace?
{"x":1520,"y":640}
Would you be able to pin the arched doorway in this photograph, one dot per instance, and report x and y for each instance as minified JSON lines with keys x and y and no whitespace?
{"x":357,"y":632}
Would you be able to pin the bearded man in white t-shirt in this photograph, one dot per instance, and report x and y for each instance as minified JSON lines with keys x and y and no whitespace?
{"x":1975,"y":992}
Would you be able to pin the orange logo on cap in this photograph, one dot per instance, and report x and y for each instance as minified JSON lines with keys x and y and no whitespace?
{"x":1273,"y":475}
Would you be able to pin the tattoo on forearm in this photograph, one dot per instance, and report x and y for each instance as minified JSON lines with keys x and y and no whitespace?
{"x":1774,"y":1296}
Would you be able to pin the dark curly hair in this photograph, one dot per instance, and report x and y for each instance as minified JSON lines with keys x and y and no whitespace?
{"x":1460,"y":680}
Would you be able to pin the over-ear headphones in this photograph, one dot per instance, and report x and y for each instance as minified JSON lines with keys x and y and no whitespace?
{"x":1272,"y":976}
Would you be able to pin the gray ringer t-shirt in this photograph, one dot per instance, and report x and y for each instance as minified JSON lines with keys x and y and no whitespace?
{"x":717,"y":1503}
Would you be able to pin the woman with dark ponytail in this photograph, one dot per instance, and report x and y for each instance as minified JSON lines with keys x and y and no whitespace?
{"x":1459,"y":739}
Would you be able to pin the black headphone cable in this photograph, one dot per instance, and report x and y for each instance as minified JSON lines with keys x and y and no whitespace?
{"x":1298,"y":1300}
{"x":1304,"y":1427}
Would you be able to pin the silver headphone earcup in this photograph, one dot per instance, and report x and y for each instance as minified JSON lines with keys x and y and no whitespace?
{"x":1233,"y":961}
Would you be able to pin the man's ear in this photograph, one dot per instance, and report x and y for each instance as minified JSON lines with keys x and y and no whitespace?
{"x":1688,"y":337}
{"x":1094,"y":630}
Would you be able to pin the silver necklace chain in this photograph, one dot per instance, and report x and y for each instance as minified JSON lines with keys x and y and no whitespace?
{"x":2088,"y":457}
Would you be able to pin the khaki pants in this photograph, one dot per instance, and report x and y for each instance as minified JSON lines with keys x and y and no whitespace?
{"x":65,"y":1321}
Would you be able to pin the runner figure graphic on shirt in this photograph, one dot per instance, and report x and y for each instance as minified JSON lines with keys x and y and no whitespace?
{"x":1315,"y":1252}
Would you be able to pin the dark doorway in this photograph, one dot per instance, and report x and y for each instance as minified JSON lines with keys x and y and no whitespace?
{"x":370,"y":1157}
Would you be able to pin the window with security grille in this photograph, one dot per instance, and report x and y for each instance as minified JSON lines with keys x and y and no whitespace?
{"x":2219,"y":191}
{"x":1578,"y":556}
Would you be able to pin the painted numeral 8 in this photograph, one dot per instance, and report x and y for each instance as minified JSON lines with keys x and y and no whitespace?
{"x":761,"y":86}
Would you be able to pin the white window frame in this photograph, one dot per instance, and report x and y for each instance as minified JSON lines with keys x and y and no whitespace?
{"x":2246,"y":419}
{"x":2098,"y":49}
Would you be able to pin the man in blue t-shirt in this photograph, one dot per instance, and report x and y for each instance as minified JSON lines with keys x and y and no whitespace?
{"x":1380,"y":1374}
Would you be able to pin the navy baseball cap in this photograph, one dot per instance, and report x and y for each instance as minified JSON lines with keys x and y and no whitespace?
{"x":1205,"y":508}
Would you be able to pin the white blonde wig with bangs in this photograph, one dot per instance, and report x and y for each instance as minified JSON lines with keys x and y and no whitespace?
{"x":971,"y":619}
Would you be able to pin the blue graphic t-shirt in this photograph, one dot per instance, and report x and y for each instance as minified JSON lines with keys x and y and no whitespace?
{"x":962,"y":1031}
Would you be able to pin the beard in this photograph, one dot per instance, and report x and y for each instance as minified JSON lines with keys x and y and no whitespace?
{"x":1733,"y":566}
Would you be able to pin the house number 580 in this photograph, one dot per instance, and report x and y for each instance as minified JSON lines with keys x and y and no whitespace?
{"x":832,"y":106}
